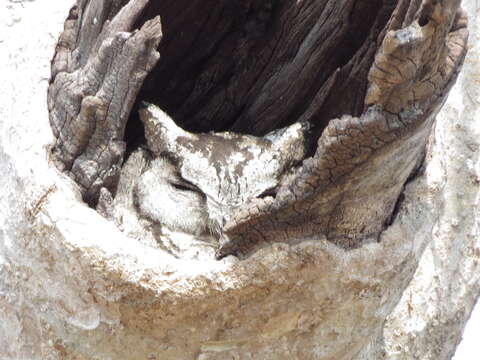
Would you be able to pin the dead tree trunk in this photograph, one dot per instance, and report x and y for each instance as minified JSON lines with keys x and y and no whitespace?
{"x":369,"y":76}
{"x":294,"y":139}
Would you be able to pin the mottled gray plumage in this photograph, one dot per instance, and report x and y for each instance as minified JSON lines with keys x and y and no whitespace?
{"x":164,"y":197}
{"x":216,"y":172}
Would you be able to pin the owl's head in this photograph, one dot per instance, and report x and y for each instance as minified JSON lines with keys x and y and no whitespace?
{"x":164,"y":197}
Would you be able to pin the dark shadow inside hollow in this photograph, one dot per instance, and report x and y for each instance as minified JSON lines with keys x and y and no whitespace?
{"x":252,"y":67}
{"x":134,"y":131}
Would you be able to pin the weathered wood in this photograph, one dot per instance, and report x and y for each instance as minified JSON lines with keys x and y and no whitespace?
{"x":369,"y":76}
{"x":348,"y":190}
{"x":254,"y":66}
{"x":98,"y":69}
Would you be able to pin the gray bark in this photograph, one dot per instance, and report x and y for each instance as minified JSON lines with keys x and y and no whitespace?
{"x":97,"y":72}
{"x":73,"y":286}
{"x":369,"y":77}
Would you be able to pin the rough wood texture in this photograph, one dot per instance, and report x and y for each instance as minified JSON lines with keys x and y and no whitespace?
{"x":349,"y":188}
{"x":369,"y":76}
{"x":98,"y":69}
{"x":75,"y":287}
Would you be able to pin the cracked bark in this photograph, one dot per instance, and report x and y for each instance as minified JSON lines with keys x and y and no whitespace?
{"x":370,"y":76}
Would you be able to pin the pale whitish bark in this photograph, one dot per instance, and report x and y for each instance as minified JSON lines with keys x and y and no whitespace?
{"x":429,"y":320}
{"x":73,"y":287}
